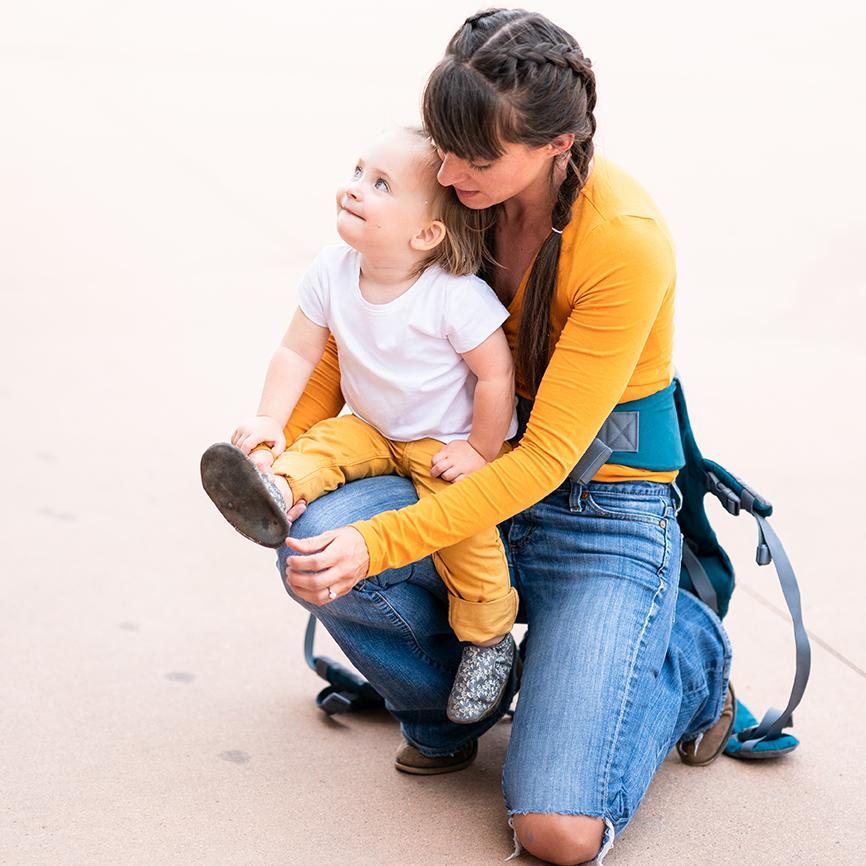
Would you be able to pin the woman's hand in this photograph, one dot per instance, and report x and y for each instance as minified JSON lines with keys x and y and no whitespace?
{"x":262,"y":428}
{"x":456,"y":459}
{"x":327,"y":565}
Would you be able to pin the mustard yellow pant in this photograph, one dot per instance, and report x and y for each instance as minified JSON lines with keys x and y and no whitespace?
{"x":482,"y":602}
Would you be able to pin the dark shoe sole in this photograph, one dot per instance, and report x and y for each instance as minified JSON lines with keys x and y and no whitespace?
{"x":236,"y":488}
{"x":442,"y":768}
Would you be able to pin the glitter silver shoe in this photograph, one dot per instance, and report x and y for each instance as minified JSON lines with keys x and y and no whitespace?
{"x":480,"y":682}
{"x":247,"y":498}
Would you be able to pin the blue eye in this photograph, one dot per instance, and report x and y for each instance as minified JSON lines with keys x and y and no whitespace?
{"x":384,"y":184}
{"x":357,"y":171}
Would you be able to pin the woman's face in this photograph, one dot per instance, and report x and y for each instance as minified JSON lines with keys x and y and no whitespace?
{"x":482,"y":184}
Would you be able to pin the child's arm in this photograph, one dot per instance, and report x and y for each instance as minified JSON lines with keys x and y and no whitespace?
{"x":492,"y":410}
{"x":292,"y":364}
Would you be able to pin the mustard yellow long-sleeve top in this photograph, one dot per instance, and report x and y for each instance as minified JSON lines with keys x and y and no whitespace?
{"x":612,"y":321}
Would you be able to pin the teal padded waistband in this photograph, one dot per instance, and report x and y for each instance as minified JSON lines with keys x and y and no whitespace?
{"x":641,"y":433}
{"x":658,"y":433}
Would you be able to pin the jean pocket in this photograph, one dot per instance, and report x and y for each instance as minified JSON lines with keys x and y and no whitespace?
{"x":640,"y":528}
{"x":622,"y":506}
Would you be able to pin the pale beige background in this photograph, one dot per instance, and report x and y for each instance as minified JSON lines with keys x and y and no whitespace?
{"x":166,"y":173}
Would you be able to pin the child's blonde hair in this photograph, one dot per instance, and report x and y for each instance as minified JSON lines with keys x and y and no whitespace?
{"x":463,"y":250}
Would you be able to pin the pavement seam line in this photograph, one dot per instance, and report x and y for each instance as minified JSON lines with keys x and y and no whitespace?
{"x":820,"y":641}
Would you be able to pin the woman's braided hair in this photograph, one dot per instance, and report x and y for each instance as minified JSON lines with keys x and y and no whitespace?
{"x":509,"y":75}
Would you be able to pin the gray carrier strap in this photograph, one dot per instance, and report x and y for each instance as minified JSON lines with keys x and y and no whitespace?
{"x":736,"y":496}
{"x":592,"y":460}
{"x":700,"y":579}
{"x":620,"y":432}
{"x":309,"y":637}
{"x":775,"y":720}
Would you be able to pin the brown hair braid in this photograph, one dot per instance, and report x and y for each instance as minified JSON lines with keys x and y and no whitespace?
{"x":509,"y":75}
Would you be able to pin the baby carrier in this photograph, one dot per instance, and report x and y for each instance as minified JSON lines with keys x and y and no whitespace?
{"x":655,"y":433}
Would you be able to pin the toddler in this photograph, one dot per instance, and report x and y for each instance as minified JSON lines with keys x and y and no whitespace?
{"x":426,"y":372}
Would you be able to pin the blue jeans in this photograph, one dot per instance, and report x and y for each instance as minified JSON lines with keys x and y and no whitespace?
{"x":618,"y":664}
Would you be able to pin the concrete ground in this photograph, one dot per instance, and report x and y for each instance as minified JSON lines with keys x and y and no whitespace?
{"x":166,"y":173}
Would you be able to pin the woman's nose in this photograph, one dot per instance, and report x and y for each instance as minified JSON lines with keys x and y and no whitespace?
{"x":449,"y":171}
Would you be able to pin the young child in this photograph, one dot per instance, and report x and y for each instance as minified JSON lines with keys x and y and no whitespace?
{"x":427,"y":374}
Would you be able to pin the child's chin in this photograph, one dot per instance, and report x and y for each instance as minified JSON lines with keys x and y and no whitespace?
{"x":348,"y":236}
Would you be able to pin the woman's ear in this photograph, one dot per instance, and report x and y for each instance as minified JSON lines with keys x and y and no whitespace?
{"x":429,"y":236}
{"x":562,"y":143}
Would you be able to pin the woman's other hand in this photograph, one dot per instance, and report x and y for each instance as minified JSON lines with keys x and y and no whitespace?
{"x":328,"y":565}
{"x":255,"y":431}
{"x":456,"y":459}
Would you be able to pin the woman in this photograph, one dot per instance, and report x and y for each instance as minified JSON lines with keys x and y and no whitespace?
{"x":618,"y":665}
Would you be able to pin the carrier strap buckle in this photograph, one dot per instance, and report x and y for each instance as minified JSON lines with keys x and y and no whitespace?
{"x":347,"y":691}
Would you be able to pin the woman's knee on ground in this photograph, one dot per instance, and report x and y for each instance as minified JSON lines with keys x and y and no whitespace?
{"x":562,"y":839}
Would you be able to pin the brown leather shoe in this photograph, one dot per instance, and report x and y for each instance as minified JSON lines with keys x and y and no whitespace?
{"x":707,"y":747}
{"x":410,"y":760}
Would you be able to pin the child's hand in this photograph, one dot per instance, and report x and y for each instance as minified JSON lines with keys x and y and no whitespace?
{"x":260,"y":429}
{"x":455,"y":460}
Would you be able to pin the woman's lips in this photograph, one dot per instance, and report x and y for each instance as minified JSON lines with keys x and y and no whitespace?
{"x":467,"y":193}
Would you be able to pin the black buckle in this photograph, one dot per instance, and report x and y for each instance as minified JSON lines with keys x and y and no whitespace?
{"x":732,"y":501}
{"x":347,"y":691}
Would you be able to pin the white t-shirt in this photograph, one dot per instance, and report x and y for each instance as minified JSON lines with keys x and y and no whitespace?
{"x":400,"y":364}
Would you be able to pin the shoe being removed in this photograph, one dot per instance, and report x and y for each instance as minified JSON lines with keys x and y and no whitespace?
{"x":410,"y":760}
{"x":480,"y":682}
{"x":708,"y":746}
{"x":247,"y":498}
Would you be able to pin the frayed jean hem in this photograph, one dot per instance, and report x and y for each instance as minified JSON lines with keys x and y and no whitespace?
{"x":606,"y":841}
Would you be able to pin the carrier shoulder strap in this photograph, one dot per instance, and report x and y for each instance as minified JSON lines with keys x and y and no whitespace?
{"x":737,"y":496}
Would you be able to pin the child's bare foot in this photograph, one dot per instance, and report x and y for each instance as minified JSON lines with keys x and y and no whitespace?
{"x":263,"y":461}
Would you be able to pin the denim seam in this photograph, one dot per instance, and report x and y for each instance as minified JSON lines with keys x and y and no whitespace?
{"x":670,"y":522}
{"x":640,"y":644}
{"x":627,"y":494}
{"x":553,"y":810}
{"x":398,"y":620}
{"x":625,"y":488}
{"x":520,"y":543}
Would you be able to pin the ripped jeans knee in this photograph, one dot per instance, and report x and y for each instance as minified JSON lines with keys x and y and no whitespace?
{"x":561,"y":838}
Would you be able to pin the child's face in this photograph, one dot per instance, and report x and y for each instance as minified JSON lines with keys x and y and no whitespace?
{"x":388,"y":197}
